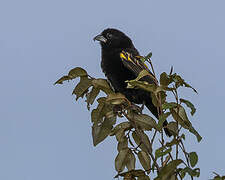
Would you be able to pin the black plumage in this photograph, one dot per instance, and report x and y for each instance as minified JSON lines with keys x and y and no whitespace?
{"x":113,"y":43}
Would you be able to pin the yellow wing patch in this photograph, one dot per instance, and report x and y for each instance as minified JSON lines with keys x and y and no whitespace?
{"x":122,"y":56}
{"x":125,"y":56}
{"x":128,"y":57}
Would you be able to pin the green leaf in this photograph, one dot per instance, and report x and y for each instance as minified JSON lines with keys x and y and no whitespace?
{"x":180,"y":116}
{"x":193,"y":131}
{"x":91,"y":96}
{"x":97,"y":114}
{"x":167,"y":88}
{"x":164,"y":79}
{"x":162,"y":152}
{"x":133,"y":173}
{"x":218,"y":177}
{"x":144,"y":177}
{"x":124,"y":126}
{"x":167,"y":171}
{"x":107,"y":112}
{"x":192,"y":172}
{"x":170,"y":105}
{"x":130,"y":161}
{"x":101,"y":130}
{"x":182,"y":119}
{"x":101,"y":100}
{"x":120,"y":135}
{"x":144,"y":160}
{"x":103,"y":85}
{"x":155,"y":100}
{"x":190,"y":105}
{"x":172,"y":126}
{"x":182,"y":113}
{"x":123,"y":144}
{"x":173,"y":142}
{"x":142,"y":74}
{"x":74,"y":73}
{"x":141,"y":141}
{"x":77,"y":72}
{"x":162,"y":119}
{"x":160,"y":89}
{"x":180,"y":82}
{"x":189,"y":86}
{"x":82,"y":87}
{"x":142,"y":85}
{"x":62,"y":79}
{"x":116,"y":99}
{"x":138,"y":172}
{"x":120,"y":160}
{"x":193,"y":158}
{"x":163,"y":96}
{"x":143,"y":120}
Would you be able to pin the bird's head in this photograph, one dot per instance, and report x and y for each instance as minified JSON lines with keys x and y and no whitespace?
{"x":113,"y":39}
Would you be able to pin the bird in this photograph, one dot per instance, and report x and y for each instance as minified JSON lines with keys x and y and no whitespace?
{"x":115,"y":45}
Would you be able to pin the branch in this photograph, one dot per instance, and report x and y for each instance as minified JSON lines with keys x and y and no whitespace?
{"x":139,"y":134}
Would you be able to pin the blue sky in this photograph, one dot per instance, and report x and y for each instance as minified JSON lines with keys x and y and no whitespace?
{"x":45,"y":134}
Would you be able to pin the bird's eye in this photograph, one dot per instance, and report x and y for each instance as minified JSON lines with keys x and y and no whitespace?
{"x":109,"y":36}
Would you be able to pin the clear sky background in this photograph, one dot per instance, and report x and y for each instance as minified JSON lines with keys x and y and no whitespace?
{"x":45,"y":134}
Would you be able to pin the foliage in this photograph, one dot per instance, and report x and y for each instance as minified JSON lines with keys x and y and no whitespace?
{"x":140,"y":137}
{"x":218,"y":177}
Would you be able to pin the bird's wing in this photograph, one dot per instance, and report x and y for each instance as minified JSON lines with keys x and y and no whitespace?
{"x":136,"y":65}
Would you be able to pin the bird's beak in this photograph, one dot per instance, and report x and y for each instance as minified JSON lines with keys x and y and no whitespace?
{"x":100,"y":38}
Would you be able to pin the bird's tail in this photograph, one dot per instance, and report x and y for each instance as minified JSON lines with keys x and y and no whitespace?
{"x":154,"y":111}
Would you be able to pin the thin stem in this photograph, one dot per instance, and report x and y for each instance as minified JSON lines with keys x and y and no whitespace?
{"x":162,"y":146}
{"x":139,"y":134}
{"x":177,"y":101}
{"x":171,"y":157}
{"x":153,"y":136}
{"x":150,"y":62}
{"x":177,"y":151}
{"x":185,"y":153}
{"x":159,"y":109}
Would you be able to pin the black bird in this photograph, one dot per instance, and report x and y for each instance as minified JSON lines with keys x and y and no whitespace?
{"x":115,"y":47}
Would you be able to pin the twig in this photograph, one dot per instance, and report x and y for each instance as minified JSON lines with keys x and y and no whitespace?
{"x":153,"y":136}
{"x":162,"y":146}
{"x":171,"y":157}
{"x":177,"y":101}
{"x":150,"y":62}
{"x":139,"y":134}
{"x":159,"y":108}
{"x":185,"y":153}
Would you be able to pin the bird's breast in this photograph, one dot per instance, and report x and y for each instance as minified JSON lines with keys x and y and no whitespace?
{"x":115,"y":71}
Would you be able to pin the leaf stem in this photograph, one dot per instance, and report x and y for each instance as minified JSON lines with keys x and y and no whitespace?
{"x":139,"y":134}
